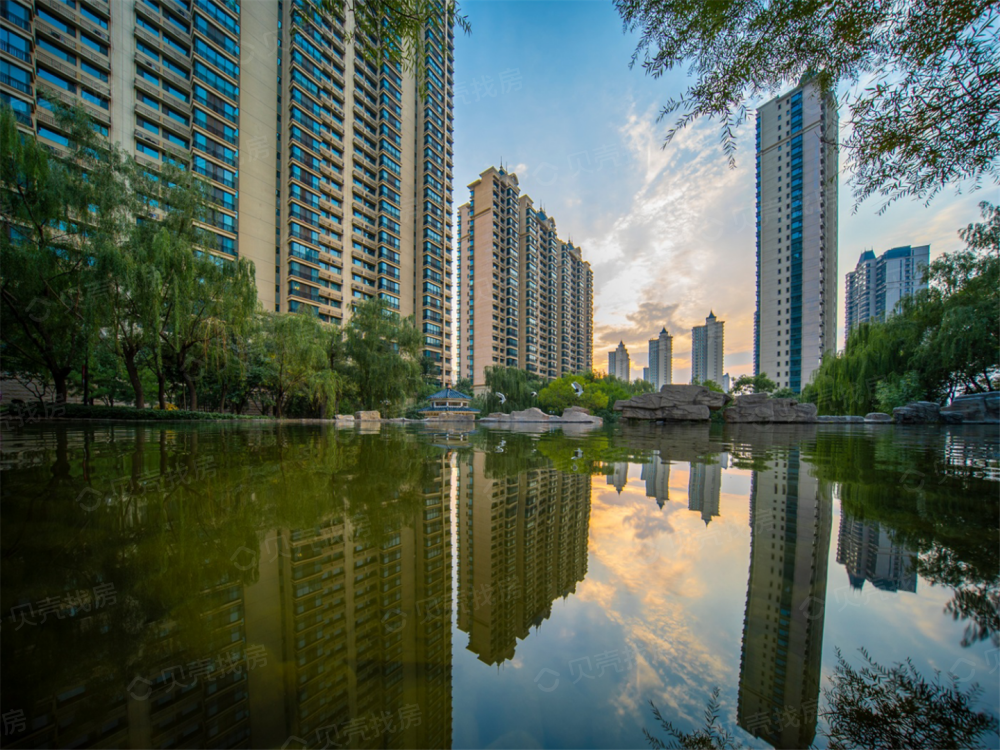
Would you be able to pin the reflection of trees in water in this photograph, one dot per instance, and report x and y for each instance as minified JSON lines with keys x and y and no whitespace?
{"x":171,"y":517}
{"x":711,"y":735}
{"x":873,"y":706}
{"x":896,"y":707}
{"x":934,"y":500}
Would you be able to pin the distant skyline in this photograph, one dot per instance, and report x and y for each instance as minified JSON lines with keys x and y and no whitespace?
{"x":546,"y":88}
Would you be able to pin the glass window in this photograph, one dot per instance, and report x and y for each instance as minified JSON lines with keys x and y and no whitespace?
{"x":57,"y":80}
{"x":93,"y":17}
{"x":142,"y":148}
{"x":52,"y":135}
{"x":91,"y":70}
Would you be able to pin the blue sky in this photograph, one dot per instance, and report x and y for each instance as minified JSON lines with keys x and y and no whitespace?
{"x":546,"y":87}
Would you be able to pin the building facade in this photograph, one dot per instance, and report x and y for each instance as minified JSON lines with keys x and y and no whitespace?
{"x":876,"y":285}
{"x":326,"y":169}
{"x":526,"y":297}
{"x":707,"y":350}
{"x":661,"y":360}
{"x":796,"y":317}
{"x":619,"y":363}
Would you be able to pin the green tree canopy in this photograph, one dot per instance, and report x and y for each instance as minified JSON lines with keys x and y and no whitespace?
{"x":924,"y":96}
{"x":383,"y":356}
{"x":559,"y":394}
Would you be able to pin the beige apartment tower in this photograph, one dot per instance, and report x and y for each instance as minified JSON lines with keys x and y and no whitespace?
{"x":796,"y":318}
{"x":325,"y":167}
{"x":528,"y":297}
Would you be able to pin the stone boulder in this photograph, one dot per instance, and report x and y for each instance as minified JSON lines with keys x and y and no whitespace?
{"x":975,"y":408}
{"x":878,"y":417}
{"x":841,"y":419}
{"x":673,"y":403}
{"x":760,"y":407}
{"x":532,"y":415}
{"x":917,"y":412}
{"x":344,"y":418}
{"x":367,"y":416}
{"x":580,"y":415}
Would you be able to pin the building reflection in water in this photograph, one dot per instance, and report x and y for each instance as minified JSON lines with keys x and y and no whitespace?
{"x":656,"y":475}
{"x":522,"y":545}
{"x":868,"y":553}
{"x":705,"y":486}
{"x":334,"y":635}
{"x":618,"y":477}
{"x":790,"y":525}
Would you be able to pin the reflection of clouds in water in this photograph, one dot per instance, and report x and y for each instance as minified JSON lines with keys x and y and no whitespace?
{"x":651,"y":556}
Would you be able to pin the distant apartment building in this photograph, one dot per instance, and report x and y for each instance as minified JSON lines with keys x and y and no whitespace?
{"x":645,"y":375}
{"x":707,"y":346}
{"x":522,"y":544}
{"x":329,"y":170}
{"x":526,"y":297}
{"x":661,"y":360}
{"x":876,"y":285}
{"x":796,"y":317}
{"x":619,"y":363}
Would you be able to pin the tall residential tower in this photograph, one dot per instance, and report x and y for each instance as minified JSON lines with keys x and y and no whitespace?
{"x":707,"y":350}
{"x":796,"y":318}
{"x":876,"y":285}
{"x":526,"y":298}
{"x":326,"y":167}
{"x":619,"y":363}
{"x":661,"y":360}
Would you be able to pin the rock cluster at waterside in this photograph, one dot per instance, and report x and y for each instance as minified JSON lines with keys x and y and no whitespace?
{"x":534,"y":415}
{"x":760,"y":407}
{"x":674,"y":403}
{"x":976,"y":408}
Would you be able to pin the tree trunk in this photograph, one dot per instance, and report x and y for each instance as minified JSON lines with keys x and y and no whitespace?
{"x":161,"y":389}
{"x":59,"y":378}
{"x":133,"y":377}
{"x":192,"y":391}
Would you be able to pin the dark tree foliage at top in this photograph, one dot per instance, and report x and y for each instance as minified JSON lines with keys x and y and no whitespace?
{"x":924,"y":75}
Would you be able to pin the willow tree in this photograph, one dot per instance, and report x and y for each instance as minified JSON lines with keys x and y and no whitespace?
{"x":59,"y":211}
{"x":382,"y":353}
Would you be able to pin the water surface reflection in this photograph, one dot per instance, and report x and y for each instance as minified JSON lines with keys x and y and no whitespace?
{"x":242,"y":585}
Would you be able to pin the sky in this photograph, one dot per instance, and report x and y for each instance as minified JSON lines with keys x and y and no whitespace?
{"x":545,"y":88}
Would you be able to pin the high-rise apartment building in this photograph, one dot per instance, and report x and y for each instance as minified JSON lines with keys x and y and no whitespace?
{"x":526,"y":298}
{"x":661,"y":360}
{"x":876,"y":285}
{"x":707,"y":346}
{"x":796,"y":318}
{"x":619,"y":363}
{"x":325,"y":167}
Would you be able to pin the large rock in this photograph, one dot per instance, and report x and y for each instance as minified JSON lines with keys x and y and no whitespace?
{"x":975,"y":408}
{"x":674,"y":403}
{"x":878,"y":417}
{"x":579,"y":415}
{"x":367,"y":416}
{"x":917,"y":412}
{"x":532,"y":415}
{"x":841,"y":419}
{"x":760,"y":407}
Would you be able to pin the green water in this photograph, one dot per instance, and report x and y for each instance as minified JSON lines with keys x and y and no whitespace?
{"x":301,"y":586}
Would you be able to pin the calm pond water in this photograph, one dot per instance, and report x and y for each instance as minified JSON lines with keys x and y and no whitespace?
{"x":242,"y":585}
